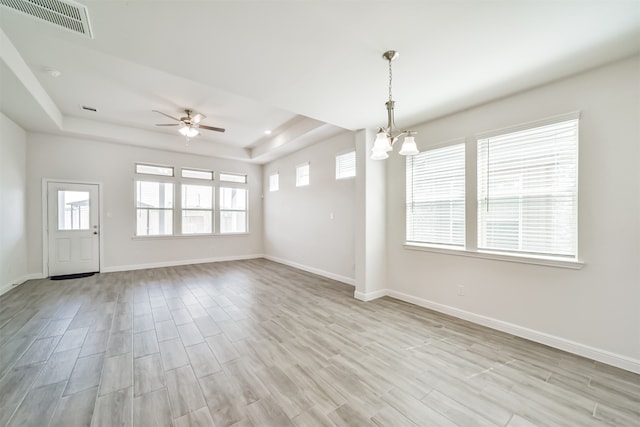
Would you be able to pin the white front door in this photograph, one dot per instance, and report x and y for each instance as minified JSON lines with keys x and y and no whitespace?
{"x":74,"y":228}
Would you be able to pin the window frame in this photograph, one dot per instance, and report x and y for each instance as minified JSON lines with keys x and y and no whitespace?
{"x":182,"y":170}
{"x":136,"y":164}
{"x":308,"y":174}
{"x":471,"y":223}
{"x":245,"y":210}
{"x":222,"y":175}
{"x":277,"y":182}
{"x":182,"y":208}
{"x":158,"y":180}
{"x":456,"y":142}
{"x":177,"y":182}
{"x":337,"y":164}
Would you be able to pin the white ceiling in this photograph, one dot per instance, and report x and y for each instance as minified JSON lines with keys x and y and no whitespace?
{"x":303,"y":69}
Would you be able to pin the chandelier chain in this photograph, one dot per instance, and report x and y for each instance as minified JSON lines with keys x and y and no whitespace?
{"x":390,"y":80}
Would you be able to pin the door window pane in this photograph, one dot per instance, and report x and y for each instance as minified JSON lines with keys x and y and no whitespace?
{"x":73,"y":210}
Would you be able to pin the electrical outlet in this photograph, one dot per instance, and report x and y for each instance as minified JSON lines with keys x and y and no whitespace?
{"x":460,"y":290}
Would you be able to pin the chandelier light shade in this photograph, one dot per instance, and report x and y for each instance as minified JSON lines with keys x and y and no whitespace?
{"x":189,"y":131}
{"x":387,"y":136}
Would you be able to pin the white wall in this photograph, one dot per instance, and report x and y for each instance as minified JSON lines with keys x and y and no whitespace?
{"x":112,"y":165}
{"x":298,"y":229}
{"x":13,"y":204}
{"x":595,"y":310}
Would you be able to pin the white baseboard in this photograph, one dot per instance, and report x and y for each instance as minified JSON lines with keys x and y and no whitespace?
{"x":604,"y":356}
{"x":177,"y":263}
{"x":370,"y":296}
{"x":327,"y":274}
{"x":19,"y":281}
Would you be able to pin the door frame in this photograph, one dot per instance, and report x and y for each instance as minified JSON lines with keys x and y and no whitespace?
{"x":45,"y":221}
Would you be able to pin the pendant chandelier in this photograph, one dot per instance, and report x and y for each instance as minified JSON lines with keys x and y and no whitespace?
{"x":387,"y":136}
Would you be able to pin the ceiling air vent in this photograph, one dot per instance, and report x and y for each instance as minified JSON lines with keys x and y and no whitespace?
{"x":67,"y":14}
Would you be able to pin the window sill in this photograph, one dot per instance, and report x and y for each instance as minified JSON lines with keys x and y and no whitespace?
{"x":187,"y":236}
{"x":499,"y":256}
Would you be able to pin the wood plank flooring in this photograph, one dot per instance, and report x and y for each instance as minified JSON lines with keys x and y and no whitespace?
{"x":255,"y":343}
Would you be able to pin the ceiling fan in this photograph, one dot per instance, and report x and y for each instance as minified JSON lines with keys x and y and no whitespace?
{"x":188,"y":125}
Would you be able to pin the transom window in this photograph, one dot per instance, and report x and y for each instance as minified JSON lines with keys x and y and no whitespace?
{"x":232,"y":177}
{"x":197,"y":174}
{"x":154,"y":169}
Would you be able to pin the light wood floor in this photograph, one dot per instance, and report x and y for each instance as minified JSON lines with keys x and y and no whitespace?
{"x":255,"y":343}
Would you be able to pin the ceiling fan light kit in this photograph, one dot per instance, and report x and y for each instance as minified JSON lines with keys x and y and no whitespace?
{"x":387,"y":136}
{"x":188,"y":126}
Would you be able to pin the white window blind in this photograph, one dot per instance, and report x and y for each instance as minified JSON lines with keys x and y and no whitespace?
{"x":528,"y":190}
{"x":435,"y":196}
{"x":346,"y":165}
{"x":274,"y":182}
{"x":302,"y":175}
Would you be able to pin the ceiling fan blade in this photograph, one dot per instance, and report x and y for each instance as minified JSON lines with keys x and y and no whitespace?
{"x":211,"y":128}
{"x":167,"y":124}
{"x":166,"y":115}
{"x":197,"y":118}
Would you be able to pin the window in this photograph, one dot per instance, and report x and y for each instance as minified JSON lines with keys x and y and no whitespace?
{"x":346,"y":165}
{"x":232,"y":177}
{"x":194,"y":210}
{"x":73,"y":210}
{"x":154,"y":169}
{"x":233,"y":210}
{"x":302,"y":175}
{"x":436,"y":196}
{"x":197,"y":209}
{"x":197,"y":174}
{"x":274,"y":182}
{"x":528,"y":190}
{"x":154,"y":208}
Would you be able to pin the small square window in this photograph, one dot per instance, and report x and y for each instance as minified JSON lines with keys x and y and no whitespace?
{"x":302,"y":175}
{"x":274,"y":182}
{"x":346,"y":165}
